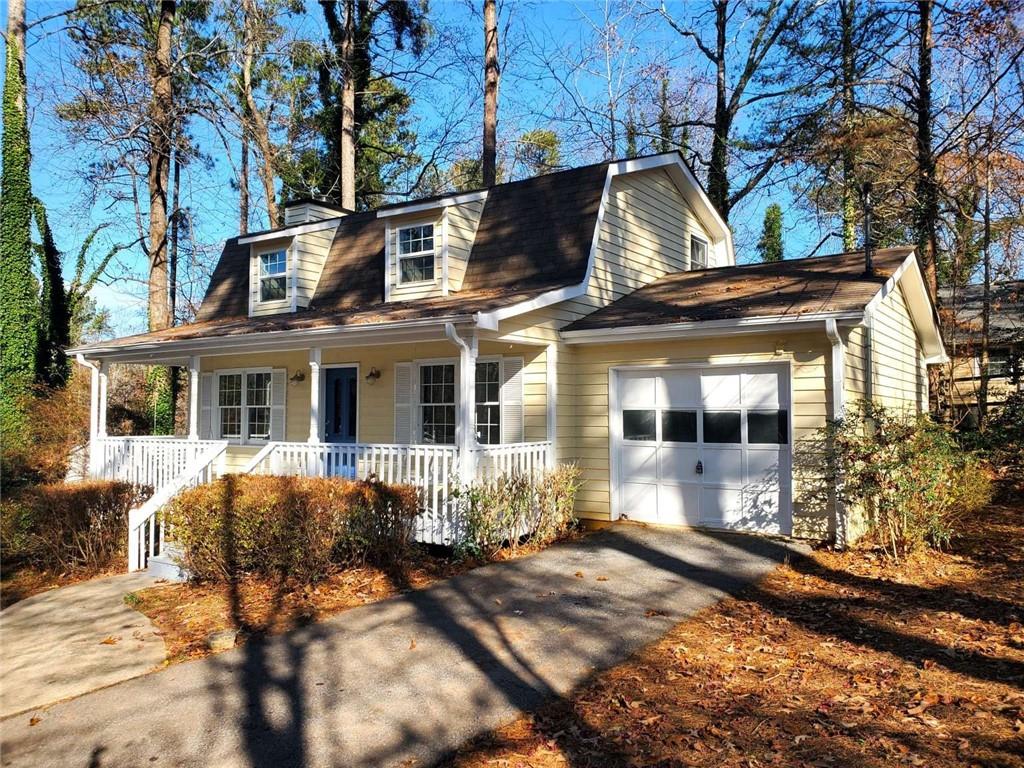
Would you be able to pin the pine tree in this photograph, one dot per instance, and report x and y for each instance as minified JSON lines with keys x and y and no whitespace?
{"x":19,"y":310}
{"x":770,"y":244}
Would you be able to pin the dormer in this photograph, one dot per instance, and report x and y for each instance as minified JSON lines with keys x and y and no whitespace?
{"x":427,"y":245}
{"x":285,"y":264}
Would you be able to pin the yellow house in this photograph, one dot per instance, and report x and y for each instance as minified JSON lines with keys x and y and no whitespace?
{"x":595,"y":316}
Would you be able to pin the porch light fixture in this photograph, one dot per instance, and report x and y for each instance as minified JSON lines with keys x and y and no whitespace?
{"x":372,"y":376}
{"x":297,"y":377}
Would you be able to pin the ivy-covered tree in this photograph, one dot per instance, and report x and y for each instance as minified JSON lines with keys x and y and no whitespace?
{"x":54,"y":328}
{"x":19,"y":310}
{"x":770,"y":244}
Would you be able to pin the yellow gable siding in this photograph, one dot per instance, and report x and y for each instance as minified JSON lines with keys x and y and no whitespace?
{"x":899,"y":378}
{"x":809,"y":356}
{"x":463,"y":221}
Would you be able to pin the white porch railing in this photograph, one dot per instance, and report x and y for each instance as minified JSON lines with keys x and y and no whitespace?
{"x":434,"y":469}
{"x":152,"y":461}
{"x":512,"y":458}
{"x":147,"y":529}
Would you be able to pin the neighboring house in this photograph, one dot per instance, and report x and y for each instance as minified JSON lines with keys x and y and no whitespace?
{"x":1005,"y":348}
{"x":591,"y":316}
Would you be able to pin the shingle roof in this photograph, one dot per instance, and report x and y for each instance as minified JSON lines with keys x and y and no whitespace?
{"x":783,"y":289}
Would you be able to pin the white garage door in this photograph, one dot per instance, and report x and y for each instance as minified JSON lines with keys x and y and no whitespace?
{"x":704,"y":446}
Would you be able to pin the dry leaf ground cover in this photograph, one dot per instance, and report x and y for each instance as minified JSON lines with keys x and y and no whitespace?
{"x":838,"y":660}
{"x":185,"y":614}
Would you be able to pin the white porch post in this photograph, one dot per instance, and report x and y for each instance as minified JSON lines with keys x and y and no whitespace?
{"x":104,"y":380}
{"x":467,"y":410}
{"x":551,"y":375}
{"x":94,"y":413}
{"x":193,"y":397}
{"x":315,"y":435}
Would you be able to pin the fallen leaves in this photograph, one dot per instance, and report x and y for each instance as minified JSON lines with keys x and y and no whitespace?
{"x":110,"y":640}
{"x":845,"y":660}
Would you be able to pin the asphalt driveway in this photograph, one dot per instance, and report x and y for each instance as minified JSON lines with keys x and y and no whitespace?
{"x":409,"y":678}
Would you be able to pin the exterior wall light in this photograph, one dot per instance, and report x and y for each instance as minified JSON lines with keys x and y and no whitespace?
{"x":372,"y":376}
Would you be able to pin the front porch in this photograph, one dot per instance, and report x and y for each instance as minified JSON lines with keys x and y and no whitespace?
{"x":412,"y":413}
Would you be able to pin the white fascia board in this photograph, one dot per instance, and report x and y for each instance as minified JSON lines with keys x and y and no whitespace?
{"x":298,"y":229}
{"x":699,"y":328}
{"x":430,"y":205}
{"x":922,"y":310}
{"x":354,"y":335}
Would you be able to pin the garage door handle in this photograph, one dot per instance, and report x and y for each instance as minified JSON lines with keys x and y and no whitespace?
{"x":700,"y":467}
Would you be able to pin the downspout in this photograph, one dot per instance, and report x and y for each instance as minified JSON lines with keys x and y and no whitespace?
{"x":838,"y":408}
{"x":467,"y":397}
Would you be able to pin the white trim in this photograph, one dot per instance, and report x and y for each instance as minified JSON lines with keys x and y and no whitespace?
{"x":293,"y":274}
{"x":615,"y":425}
{"x":298,"y":229}
{"x":432,"y":280}
{"x":389,"y":232}
{"x":838,"y":411}
{"x":465,"y":409}
{"x":256,"y":300}
{"x":316,"y":396}
{"x":215,"y":405}
{"x":444,"y":252}
{"x":430,"y":205}
{"x":551,"y":402}
{"x":707,"y":252}
{"x":697,"y":328}
{"x":488,"y":321}
{"x":104,"y":390}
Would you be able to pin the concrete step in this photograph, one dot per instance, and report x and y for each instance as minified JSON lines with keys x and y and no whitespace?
{"x":167,"y":566}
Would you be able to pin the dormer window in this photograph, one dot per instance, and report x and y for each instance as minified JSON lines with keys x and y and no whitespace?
{"x":274,"y":276}
{"x":416,"y":254}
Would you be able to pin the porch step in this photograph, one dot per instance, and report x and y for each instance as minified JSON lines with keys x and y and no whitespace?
{"x":166,"y":564}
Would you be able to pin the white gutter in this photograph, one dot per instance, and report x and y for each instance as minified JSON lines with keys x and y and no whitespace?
{"x":699,"y":328}
{"x":292,"y":231}
{"x":289,"y":338}
{"x":430,"y":205}
{"x":838,"y":408}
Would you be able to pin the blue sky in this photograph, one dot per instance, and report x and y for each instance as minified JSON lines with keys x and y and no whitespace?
{"x":538,"y":32}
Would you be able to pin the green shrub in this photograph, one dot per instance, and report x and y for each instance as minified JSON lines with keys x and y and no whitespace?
{"x":1004,"y":438}
{"x":513,"y":509}
{"x":290,"y":527}
{"x":68,"y":526}
{"x":908,"y":473}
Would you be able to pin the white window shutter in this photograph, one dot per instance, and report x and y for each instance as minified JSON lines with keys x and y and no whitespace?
{"x":403,"y":403}
{"x":206,"y":381}
{"x":278,"y":387}
{"x":512,"y":400}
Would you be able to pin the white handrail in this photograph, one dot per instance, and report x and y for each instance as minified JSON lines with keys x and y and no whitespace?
{"x":145,"y":537}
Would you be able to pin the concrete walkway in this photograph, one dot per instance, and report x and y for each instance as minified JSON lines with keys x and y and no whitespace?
{"x":410,"y":678}
{"x":51,"y":644}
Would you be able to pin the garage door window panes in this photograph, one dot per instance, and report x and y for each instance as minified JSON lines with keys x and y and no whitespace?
{"x":768,"y":427}
{"x":639,"y":425}
{"x":722,"y":427}
{"x":679,"y":426}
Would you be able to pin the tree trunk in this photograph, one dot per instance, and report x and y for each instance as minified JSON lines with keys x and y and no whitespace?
{"x":161,"y":126}
{"x":718,"y":170}
{"x":847,"y":9}
{"x":986,"y":285}
{"x":175,"y":222}
{"x":256,"y":125}
{"x":243,"y":185}
{"x":16,"y":41}
{"x":927,"y":193}
{"x":489,"y":165}
{"x":347,"y":145}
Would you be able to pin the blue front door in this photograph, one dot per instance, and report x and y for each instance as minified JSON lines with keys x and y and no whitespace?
{"x":340,"y":405}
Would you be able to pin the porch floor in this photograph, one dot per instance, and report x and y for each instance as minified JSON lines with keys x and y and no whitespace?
{"x":410,"y":678}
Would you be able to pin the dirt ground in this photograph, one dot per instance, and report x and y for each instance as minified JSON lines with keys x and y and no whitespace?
{"x":839,"y":660}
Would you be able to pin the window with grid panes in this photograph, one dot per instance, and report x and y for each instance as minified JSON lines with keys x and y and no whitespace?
{"x":437,"y":403}
{"x":488,"y":402}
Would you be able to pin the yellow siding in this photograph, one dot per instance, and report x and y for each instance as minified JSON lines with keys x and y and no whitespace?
{"x":376,"y":418}
{"x":899,"y":379}
{"x":463,"y":220}
{"x":414,"y":290}
{"x":809,"y":355}
{"x":311,"y":250}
